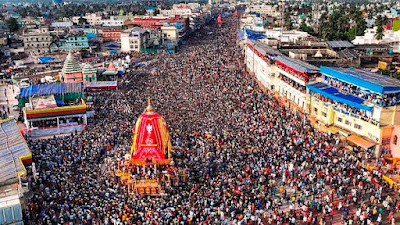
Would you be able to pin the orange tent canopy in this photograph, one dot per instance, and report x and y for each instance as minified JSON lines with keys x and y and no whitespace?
{"x":359,"y":141}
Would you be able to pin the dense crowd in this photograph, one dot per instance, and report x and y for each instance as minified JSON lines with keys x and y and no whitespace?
{"x":249,"y":160}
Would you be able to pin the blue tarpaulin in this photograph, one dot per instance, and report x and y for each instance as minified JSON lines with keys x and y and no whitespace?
{"x":178,"y":25}
{"x":374,"y":82}
{"x":45,"y":59}
{"x":113,"y":51}
{"x":253,"y":35}
{"x":51,"y":89}
{"x":334,"y":94}
{"x":90,"y":35}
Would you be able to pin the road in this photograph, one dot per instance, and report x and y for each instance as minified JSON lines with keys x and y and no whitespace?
{"x":7,"y":100}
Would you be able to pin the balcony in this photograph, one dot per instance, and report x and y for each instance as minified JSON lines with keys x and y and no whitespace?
{"x":292,"y":77}
{"x":356,"y":116}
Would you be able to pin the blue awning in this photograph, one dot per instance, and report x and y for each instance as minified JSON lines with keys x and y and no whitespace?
{"x":365,"y":79}
{"x":254,"y":35}
{"x":51,"y":89}
{"x":334,"y":94}
{"x":45,"y":59}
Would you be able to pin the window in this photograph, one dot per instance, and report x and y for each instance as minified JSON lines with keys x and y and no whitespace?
{"x":339,"y":119}
{"x":347,"y":123}
{"x":386,"y":141}
{"x":17,"y":212}
{"x":324,"y":114}
{"x":315,"y":110}
{"x":131,"y":46}
{"x":395,"y":140}
{"x":8,"y":215}
{"x":357,"y":126}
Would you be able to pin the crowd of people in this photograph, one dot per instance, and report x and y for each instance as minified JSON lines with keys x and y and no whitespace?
{"x":249,"y":160}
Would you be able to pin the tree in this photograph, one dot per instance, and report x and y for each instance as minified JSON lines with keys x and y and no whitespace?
{"x":82,"y":21}
{"x":305,"y":28}
{"x":379,"y":33}
{"x":12,"y":24}
{"x":84,"y":53}
{"x":379,"y":22}
{"x":288,"y":21}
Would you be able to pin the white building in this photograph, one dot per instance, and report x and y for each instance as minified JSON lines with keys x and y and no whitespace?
{"x":390,"y":37}
{"x":171,"y":34}
{"x":93,"y":19}
{"x":271,"y":10}
{"x":285,"y":77}
{"x":286,"y":36}
{"x":133,"y":40}
{"x":64,"y":24}
{"x":37,"y":40}
{"x":258,"y":60}
{"x":112,"y":22}
{"x":185,"y":12}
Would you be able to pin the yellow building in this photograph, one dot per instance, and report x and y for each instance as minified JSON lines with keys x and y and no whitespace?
{"x":364,"y":103}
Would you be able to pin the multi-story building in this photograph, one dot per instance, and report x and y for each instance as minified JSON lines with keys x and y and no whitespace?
{"x":37,"y":40}
{"x":259,"y":62}
{"x":270,"y":10}
{"x":133,"y":40}
{"x":359,"y":101}
{"x":172,"y":33}
{"x":112,"y":22}
{"x":156,"y":22}
{"x":93,"y":19}
{"x":74,"y":43}
{"x":112,"y":35}
{"x":292,"y":77}
{"x":285,"y":77}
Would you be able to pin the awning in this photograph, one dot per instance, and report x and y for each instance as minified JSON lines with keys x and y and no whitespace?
{"x":333,"y":130}
{"x":334,"y":94}
{"x":359,"y":141}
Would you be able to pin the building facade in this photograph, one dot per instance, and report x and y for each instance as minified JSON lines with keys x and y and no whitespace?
{"x":74,"y":43}
{"x":362,"y":102}
{"x":112,"y":35}
{"x":92,"y":18}
{"x":133,"y":40}
{"x":37,"y":40}
{"x":292,"y":77}
{"x":112,"y":22}
{"x":71,"y":71}
{"x":89,"y":73}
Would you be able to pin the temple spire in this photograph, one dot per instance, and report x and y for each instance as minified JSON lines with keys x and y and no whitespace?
{"x":149,"y":107}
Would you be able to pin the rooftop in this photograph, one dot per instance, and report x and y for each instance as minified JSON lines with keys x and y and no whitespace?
{"x":264,"y":48}
{"x":13,"y":150}
{"x":334,"y":94}
{"x":365,"y":79}
{"x":51,"y":89}
{"x":340,"y":44}
{"x":296,"y":64}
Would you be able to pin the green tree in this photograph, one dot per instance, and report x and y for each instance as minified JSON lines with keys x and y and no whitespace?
{"x":84,"y":53}
{"x":379,"y":33}
{"x":82,"y":21}
{"x":12,"y":24}
{"x":305,"y":28}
